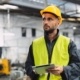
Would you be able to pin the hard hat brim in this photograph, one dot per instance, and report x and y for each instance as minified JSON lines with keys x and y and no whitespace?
{"x":43,"y":11}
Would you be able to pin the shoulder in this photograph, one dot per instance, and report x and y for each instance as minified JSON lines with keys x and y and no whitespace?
{"x":38,"y":39}
{"x":72,"y":44}
{"x":64,"y":39}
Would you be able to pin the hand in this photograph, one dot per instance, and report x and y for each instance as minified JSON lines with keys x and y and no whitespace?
{"x":28,"y":78}
{"x":34,"y":71}
{"x":57,"y":70}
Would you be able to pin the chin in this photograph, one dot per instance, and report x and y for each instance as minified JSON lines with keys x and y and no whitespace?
{"x":49,"y":31}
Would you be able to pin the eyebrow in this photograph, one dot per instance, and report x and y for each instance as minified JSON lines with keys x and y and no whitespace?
{"x":47,"y":18}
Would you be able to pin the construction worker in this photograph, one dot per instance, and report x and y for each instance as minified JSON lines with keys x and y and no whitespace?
{"x":53,"y":48}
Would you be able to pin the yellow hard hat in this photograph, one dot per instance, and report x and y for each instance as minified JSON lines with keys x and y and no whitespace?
{"x":53,"y":9}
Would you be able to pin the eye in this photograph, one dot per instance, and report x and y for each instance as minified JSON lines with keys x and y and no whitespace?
{"x":50,"y":19}
{"x":43,"y":19}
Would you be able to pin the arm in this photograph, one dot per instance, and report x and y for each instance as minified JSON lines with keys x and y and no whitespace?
{"x":72,"y":71}
{"x":29,"y":63}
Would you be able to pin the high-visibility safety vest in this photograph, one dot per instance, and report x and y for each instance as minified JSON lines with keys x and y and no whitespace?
{"x":60,"y":55}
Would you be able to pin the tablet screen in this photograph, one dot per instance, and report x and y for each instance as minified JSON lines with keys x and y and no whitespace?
{"x":42,"y":68}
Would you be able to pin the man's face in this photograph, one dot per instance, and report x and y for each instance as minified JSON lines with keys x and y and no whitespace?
{"x":50,"y":22}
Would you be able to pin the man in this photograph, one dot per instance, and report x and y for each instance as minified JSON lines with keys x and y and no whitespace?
{"x":53,"y":48}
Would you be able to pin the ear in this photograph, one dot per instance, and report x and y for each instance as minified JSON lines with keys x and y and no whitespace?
{"x":58,"y":22}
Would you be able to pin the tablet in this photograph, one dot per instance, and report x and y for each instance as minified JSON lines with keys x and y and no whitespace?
{"x":42,"y":68}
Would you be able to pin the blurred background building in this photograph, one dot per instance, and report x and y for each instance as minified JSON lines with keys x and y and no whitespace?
{"x":21,"y":22}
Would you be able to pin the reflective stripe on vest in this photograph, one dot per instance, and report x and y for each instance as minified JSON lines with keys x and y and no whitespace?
{"x":60,"y":55}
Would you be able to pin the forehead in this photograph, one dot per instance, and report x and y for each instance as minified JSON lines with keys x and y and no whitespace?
{"x":48,"y":15}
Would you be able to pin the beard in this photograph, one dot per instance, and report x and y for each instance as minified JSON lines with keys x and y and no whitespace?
{"x":49,"y":31}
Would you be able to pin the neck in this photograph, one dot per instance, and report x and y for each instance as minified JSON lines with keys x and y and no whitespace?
{"x":52,"y":36}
